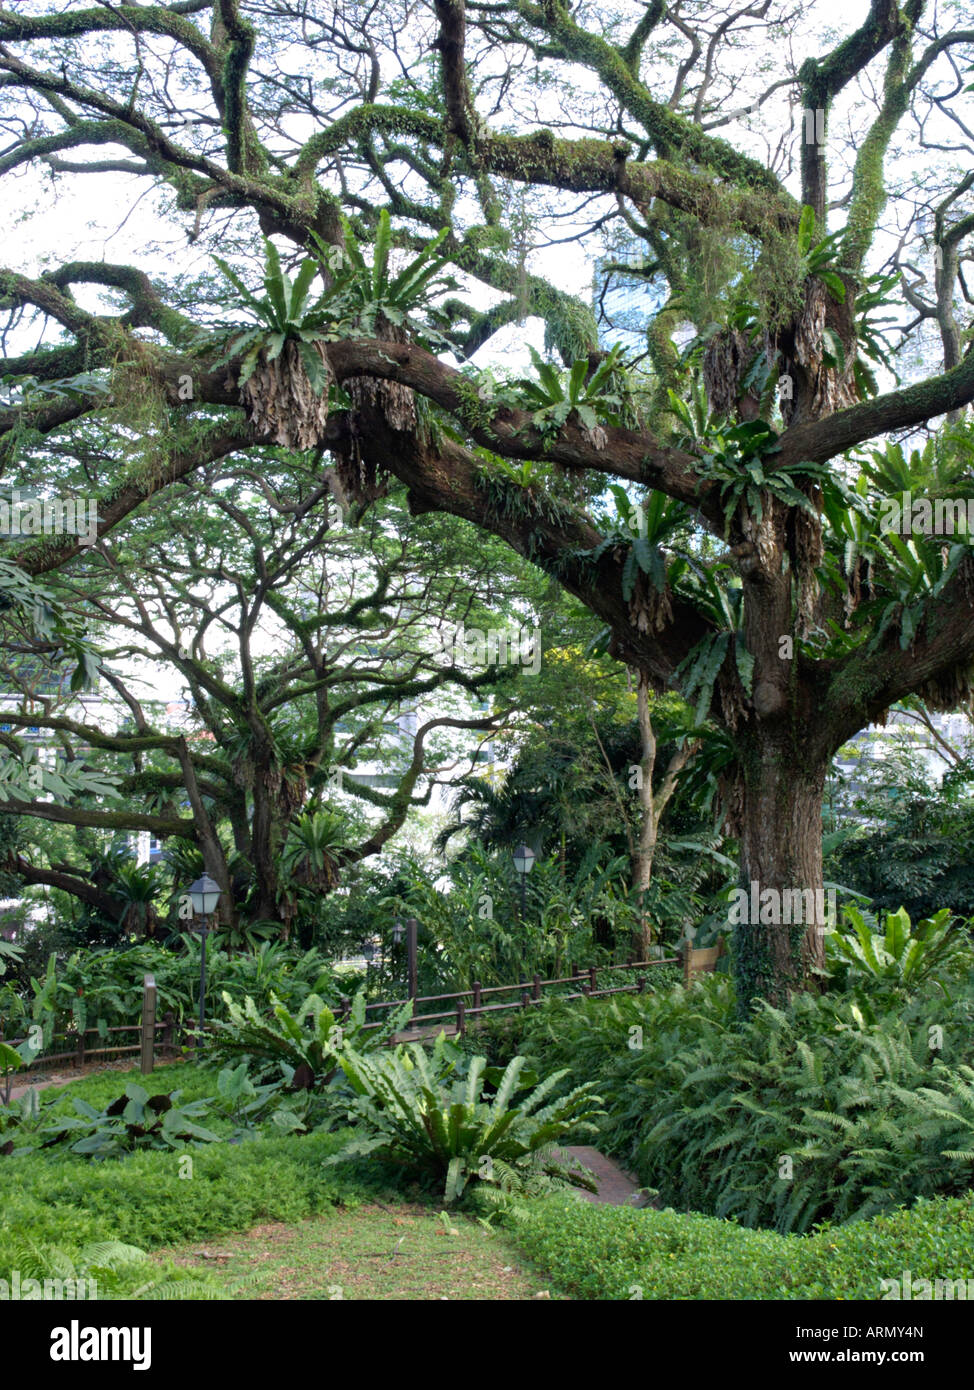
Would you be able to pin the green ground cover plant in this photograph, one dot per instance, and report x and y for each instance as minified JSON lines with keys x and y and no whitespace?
{"x":55,"y":1205}
{"x":624,"y":1253}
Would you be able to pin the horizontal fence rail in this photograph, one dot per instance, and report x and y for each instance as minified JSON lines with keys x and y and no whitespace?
{"x":81,"y":1051}
{"x":166,"y":1036}
{"x":529,"y":992}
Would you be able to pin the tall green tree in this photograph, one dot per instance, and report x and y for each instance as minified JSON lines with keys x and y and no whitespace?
{"x":302,"y":649}
{"x":751,"y":200}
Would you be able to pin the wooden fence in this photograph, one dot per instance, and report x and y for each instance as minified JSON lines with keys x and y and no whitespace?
{"x":155,"y":1035}
{"x":469,"y":1005}
{"x":147,"y":1030}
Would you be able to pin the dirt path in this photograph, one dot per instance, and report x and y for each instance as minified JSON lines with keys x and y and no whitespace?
{"x":617,"y":1188}
{"x":43,"y":1078}
{"x":375,"y":1252}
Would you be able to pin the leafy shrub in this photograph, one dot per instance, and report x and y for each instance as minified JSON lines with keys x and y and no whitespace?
{"x":11,"y":1059}
{"x":558,"y":926}
{"x":408,"y":1107}
{"x":164,"y":1120}
{"x":249,"y":1106}
{"x":910,"y":842}
{"x":901,"y":953}
{"x":103,"y":988}
{"x":135,"y":1120}
{"x":705,"y":1109}
{"x":309,"y":1041}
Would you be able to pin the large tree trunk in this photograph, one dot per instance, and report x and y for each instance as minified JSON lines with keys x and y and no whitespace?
{"x":780,"y":823}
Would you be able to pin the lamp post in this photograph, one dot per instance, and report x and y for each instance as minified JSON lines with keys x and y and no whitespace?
{"x":204,"y":894}
{"x":409,"y":929}
{"x":523,"y":862}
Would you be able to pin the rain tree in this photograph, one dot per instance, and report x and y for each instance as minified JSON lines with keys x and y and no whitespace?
{"x":776,"y":202}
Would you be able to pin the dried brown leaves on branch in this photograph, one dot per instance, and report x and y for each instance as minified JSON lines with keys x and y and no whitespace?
{"x":281,"y":402}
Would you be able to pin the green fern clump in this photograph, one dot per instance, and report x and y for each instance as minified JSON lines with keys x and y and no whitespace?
{"x":831,"y":1109}
{"x":409,"y":1107}
{"x":358,"y":298}
{"x":109,"y":1269}
{"x":310,"y":1040}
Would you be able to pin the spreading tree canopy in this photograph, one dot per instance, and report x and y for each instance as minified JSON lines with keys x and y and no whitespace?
{"x":770,"y":199}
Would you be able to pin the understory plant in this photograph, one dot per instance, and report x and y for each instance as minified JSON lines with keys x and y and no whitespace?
{"x":310,"y":1041}
{"x":107,"y":1269}
{"x":898,"y":951}
{"x":134,"y":1120}
{"x":103,"y":988}
{"x":837,"y":1107}
{"x":493,"y":1126}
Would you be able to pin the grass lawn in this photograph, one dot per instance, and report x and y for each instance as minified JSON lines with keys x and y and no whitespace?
{"x":401,"y":1251}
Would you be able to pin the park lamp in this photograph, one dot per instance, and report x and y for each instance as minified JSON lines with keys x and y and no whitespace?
{"x":523,"y":862}
{"x":397,"y":931}
{"x":524,"y":859}
{"x":204,"y":894}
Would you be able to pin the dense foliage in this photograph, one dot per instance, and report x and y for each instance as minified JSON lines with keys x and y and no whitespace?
{"x":838,"y":1106}
{"x":463,"y":1121}
{"x":618,"y":1253}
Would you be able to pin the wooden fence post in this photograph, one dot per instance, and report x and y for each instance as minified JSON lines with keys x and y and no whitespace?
{"x":148,"y":1024}
{"x":477,"y":987}
{"x":461,"y":1018}
{"x":592,"y":979}
{"x":168,"y":1031}
{"x":700,"y":961}
{"x":536,"y":986}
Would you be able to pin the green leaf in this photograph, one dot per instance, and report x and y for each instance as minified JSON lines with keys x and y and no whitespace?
{"x":835,"y":286}
{"x":380,"y":260}
{"x":259,"y":306}
{"x":576,"y":379}
{"x":275,"y":285}
{"x":314,"y":367}
{"x":299,"y":291}
{"x":680,"y":410}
